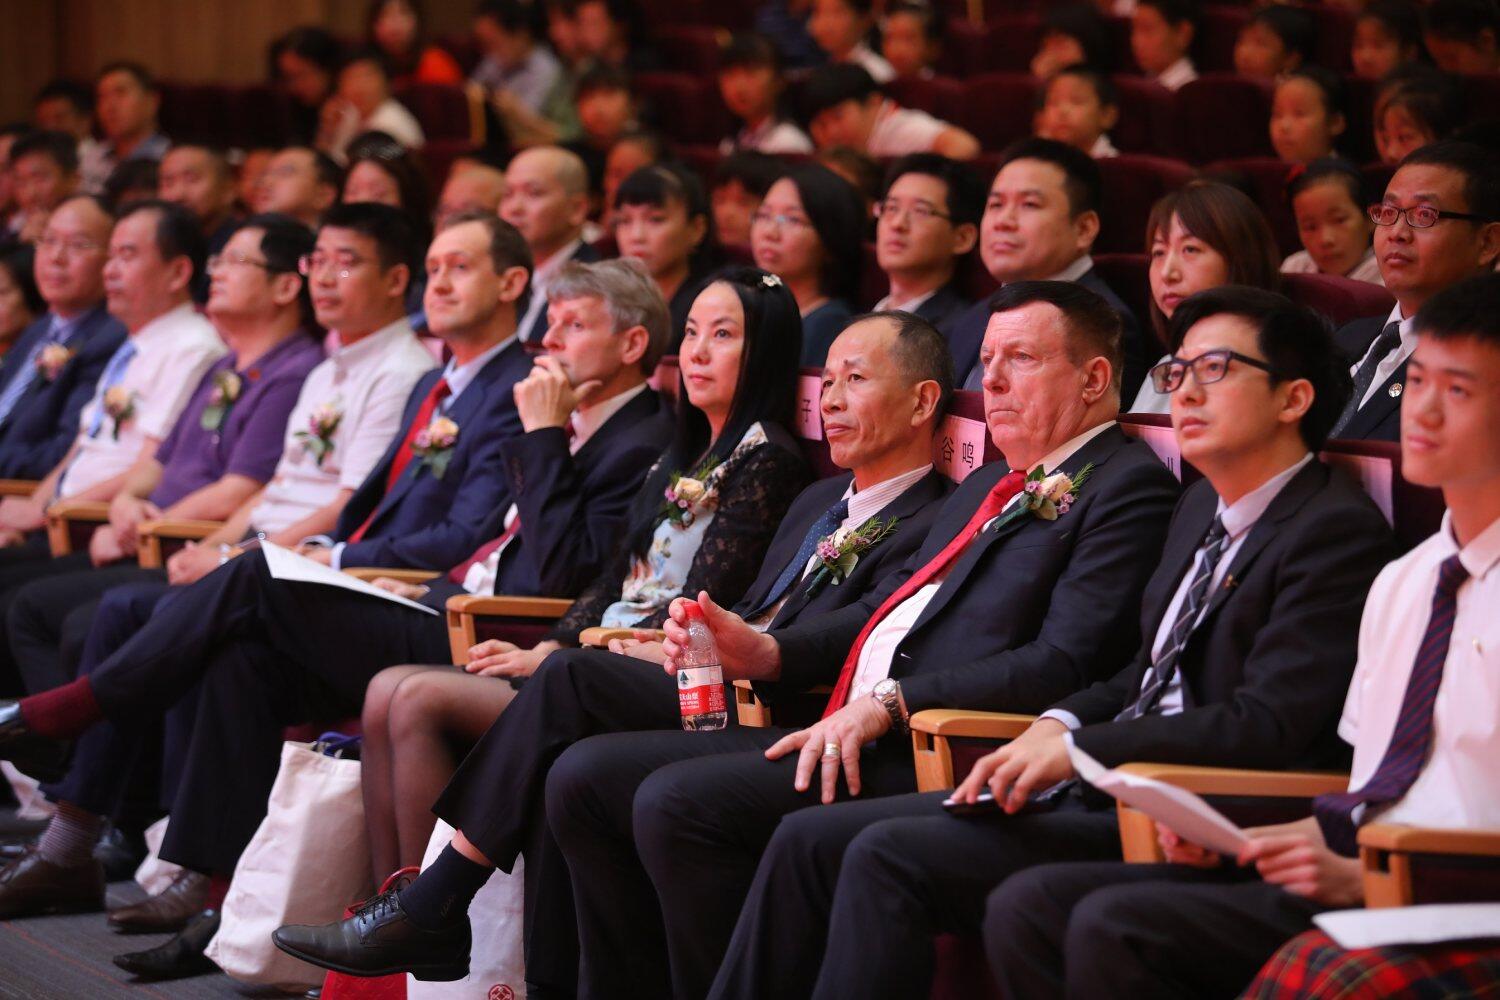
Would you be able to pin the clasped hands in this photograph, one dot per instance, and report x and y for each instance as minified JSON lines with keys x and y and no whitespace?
{"x":1292,"y":855}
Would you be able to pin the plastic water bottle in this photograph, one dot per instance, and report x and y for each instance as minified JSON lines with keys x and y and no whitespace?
{"x":700,"y":677}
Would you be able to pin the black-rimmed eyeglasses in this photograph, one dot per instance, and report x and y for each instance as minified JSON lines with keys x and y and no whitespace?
{"x":1208,"y":368}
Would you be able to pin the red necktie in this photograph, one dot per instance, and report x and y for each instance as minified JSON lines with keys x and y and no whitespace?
{"x":994,"y":502}
{"x":435,"y":395}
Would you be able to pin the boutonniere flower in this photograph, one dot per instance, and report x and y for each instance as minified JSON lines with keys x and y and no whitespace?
{"x":687,"y":495}
{"x":839,"y":552}
{"x":226,"y":391}
{"x":1049,"y":497}
{"x":119,"y":406}
{"x":433,"y":445}
{"x":53,"y":359}
{"x":317,"y":440}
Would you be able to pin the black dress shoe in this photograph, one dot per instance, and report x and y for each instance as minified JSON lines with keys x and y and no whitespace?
{"x":121,"y":854}
{"x":379,"y":940}
{"x":32,"y":886}
{"x":41,"y":757}
{"x":180,"y":957}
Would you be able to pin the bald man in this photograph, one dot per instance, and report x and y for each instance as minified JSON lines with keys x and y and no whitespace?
{"x":471,"y":187}
{"x":546,"y":198}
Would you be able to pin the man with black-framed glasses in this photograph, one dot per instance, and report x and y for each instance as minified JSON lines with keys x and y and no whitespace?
{"x":1438,"y":224}
{"x":926,"y":221}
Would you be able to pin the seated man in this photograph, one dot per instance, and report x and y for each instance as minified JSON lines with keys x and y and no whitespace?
{"x":1420,"y":715}
{"x":927,"y":221}
{"x":844,"y":106}
{"x":1438,"y":224}
{"x":1250,"y":624}
{"x":300,"y":182}
{"x":43,"y":175}
{"x":48,"y":377}
{"x":200,"y":180}
{"x":885,"y":383}
{"x":127,"y":100}
{"x":221,"y":452}
{"x":471,"y":187}
{"x":1040,"y":222}
{"x":547,"y":199}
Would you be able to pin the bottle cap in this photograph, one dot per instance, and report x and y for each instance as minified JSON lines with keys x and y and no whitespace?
{"x":693,"y":610}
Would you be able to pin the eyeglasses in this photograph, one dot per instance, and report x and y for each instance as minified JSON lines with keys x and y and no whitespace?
{"x":1208,"y":368}
{"x":917,"y":211}
{"x":1418,"y":216}
{"x":310,"y":263}
{"x":218,"y":260}
{"x":780,"y":221}
{"x":73,"y":248}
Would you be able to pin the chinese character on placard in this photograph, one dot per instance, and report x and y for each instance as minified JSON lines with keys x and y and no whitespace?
{"x":947,"y":449}
{"x":968,"y":454}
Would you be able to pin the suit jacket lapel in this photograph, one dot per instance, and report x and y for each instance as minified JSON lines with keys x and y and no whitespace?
{"x":784,"y":547}
{"x":638,"y":409}
{"x":1380,"y":406}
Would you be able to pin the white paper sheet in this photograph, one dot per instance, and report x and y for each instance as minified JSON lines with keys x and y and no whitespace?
{"x":285,"y":564}
{"x":1188,"y":815}
{"x":1411,"y":924}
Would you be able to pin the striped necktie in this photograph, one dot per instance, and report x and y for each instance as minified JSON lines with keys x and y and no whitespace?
{"x":822,"y":528}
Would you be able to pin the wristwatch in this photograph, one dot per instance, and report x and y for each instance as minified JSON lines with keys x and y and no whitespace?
{"x":888,"y":693}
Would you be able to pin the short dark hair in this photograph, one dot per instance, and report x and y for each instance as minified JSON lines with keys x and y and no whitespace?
{"x":1082,"y":181}
{"x":367,"y":54}
{"x":1329,"y":168}
{"x":755,"y":172}
{"x":507,"y":246}
{"x":394,"y":233}
{"x":327,"y":168}
{"x":1104,"y":87}
{"x":510,"y":15}
{"x":139,"y":174}
{"x":601,"y":77}
{"x":927,"y":16}
{"x":1296,"y":341}
{"x":309,"y":43}
{"x":1470,"y":308}
{"x":1293,"y":25}
{"x":18,"y":262}
{"x":1093,"y":327}
{"x":1331,"y":86}
{"x":1433,"y":98}
{"x":1462,"y":20}
{"x":965,"y":193}
{"x":216,"y":156}
{"x":1401,"y":18}
{"x":59,"y":147}
{"x":1175,"y":11}
{"x":832,"y":85}
{"x":1083,"y":23}
{"x":284,"y":242}
{"x":140,"y":74}
{"x":749,"y":50}
{"x":1479,"y":167}
{"x":920,"y":351}
{"x":178,"y":233}
{"x":75,"y":93}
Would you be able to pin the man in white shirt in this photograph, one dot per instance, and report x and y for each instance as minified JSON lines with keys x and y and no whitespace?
{"x":546,"y":198}
{"x":844,"y":107}
{"x":1420,"y":715}
{"x":927,"y":221}
{"x":1161,"y":35}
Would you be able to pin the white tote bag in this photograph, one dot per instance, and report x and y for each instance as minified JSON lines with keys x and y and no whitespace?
{"x":309,"y":859}
{"x":497,"y":963}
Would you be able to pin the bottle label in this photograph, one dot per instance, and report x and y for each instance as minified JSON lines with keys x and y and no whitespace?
{"x":700,"y":690}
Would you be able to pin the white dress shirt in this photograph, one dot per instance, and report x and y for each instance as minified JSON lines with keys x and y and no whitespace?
{"x":1103,"y":148}
{"x":172,"y":352}
{"x":899,"y":131}
{"x":369,"y":382}
{"x":771,"y":136}
{"x":1392,"y":361}
{"x":1175,"y":76}
{"x":911,"y":305}
{"x":879,"y":650}
{"x":874,"y":63}
{"x":1459,"y":786}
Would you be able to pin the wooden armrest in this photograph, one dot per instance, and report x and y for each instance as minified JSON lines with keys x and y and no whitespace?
{"x":932,"y":729}
{"x":63,"y":515}
{"x":1138,"y":832}
{"x":18,"y":487}
{"x":150,"y":535}
{"x":464,"y":609}
{"x":600,"y":637}
{"x":1386,"y":851}
{"x":1425,"y":840}
{"x":756,"y":714}
{"x":368,"y":573}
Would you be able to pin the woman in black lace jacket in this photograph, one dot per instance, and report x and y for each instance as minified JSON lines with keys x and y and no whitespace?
{"x":703,"y":521}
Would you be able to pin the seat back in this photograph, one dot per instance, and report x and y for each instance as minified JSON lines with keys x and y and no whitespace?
{"x":1340,"y":299}
{"x":686,"y":108}
{"x":1147,"y":116}
{"x":1221,"y":116}
{"x":998,"y":108}
{"x":442,"y":109}
{"x":1132,"y":184}
{"x":1266,"y":179}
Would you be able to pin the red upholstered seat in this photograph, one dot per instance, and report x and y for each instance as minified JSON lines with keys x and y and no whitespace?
{"x":998,"y":108}
{"x":1340,"y":299}
{"x":1266,"y":178}
{"x":1147,"y":116}
{"x":1335,"y":36}
{"x":940,"y":95}
{"x":686,"y":108}
{"x":1214,"y":48}
{"x":1129,"y":276}
{"x":1221,"y":116}
{"x":442,"y":109}
{"x":1132,"y":184}
{"x":690,"y":48}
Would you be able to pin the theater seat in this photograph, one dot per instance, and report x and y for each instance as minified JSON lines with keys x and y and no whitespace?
{"x":1358,"y":140}
{"x":1342,"y":300}
{"x":1214,"y":48}
{"x":443,"y":110}
{"x":1221,"y":116}
{"x":438,"y":155}
{"x":939,"y":96}
{"x":686,"y":108}
{"x":1013,"y":40}
{"x":691,"y":48}
{"x":1132,"y":184}
{"x":1129,"y":275}
{"x":998,"y":108}
{"x":1147,"y":116}
{"x":1264,"y":178}
{"x":1335,"y":36}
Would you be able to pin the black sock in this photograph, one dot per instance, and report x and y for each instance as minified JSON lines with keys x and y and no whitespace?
{"x":442,"y":893}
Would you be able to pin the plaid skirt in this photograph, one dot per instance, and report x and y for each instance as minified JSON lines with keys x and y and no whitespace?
{"x":1311,"y":965}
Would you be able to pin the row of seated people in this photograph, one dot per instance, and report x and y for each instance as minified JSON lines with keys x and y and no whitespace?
{"x":256,"y":642}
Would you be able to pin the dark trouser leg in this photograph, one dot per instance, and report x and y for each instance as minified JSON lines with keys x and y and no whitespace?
{"x":41,"y":611}
{"x":701,"y":827}
{"x":20,"y":565}
{"x":590,"y":795}
{"x":904,"y":881}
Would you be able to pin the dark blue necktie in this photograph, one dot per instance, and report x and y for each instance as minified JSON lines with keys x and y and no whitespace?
{"x":822,"y":527}
{"x":1412,"y":738}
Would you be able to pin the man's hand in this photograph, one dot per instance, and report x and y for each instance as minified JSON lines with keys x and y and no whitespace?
{"x":104,"y":546}
{"x":1296,"y":857}
{"x":22,"y":514}
{"x":410,"y":591}
{"x":317,"y":553}
{"x":493,"y":658}
{"x":645,"y":646}
{"x":193,"y":563}
{"x":1032,"y":762}
{"x":848,"y":729}
{"x":1182,"y":852}
{"x":744,"y":653}
{"x":545,"y":397}
{"x":126,"y":514}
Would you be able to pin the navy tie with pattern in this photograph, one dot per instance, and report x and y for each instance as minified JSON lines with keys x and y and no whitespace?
{"x":823,"y":527}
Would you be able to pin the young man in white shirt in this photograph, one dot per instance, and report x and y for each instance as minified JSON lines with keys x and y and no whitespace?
{"x":926,"y":222}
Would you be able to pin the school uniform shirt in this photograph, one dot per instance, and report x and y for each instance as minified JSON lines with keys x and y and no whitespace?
{"x":1368,"y":268}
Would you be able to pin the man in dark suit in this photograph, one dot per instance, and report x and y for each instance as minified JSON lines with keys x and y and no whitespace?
{"x":1040,"y":223}
{"x":1438,"y":224}
{"x":43,"y":391}
{"x":927,"y":221}
{"x":887,"y":379}
{"x":547,"y":199}
{"x":1249,"y":624}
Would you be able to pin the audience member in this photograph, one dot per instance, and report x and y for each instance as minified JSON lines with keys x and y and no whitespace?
{"x":301,"y":183}
{"x":1415,"y":107}
{"x":884,"y":387}
{"x":1307,"y":114}
{"x":382,"y":171}
{"x":132,"y":181}
{"x":127,"y":102}
{"x":397,"y":28}
{"x":21,"y":304}
{"x":1040,"y":222}
{"x":1408,"y":679}
{"x":68,"y":106}
{"x":1199,"y":237}
{"x":611,"y":33}
{"x":1072,"y":33}
{"x":1438,"y":224}
{"x":606,"y":109}
{"x":1463,"y":35}
{"x":739,"y":184}
{"x":927,"y":222}
{"x":363,"y":103}
{"x":1387,"y":37}
{"x":860,"y":171}
{"x":1333,"y":223}
{"x":631,"y":152}
{"x":911,"y":39}
{"x":751,"y":85}
{"x":844,"y":106}
{"x":47,"y":379}
{"x":476,"y":187}
{"x":304,"y":65}
{"x":514,"y":66}
{"x":784,"y":22}
{"x":251,"y":167}
{"x":1161,"y":38}
{"x":43,"y":174}
{"x":1275,"y":41}
{"x":662,"y":219}
{"x":809,"y":232}
{"x":842,"y":29}
{"x":1079,"y":107}
{"x":547,"y":200}
{"x":200,"y":180}
{"x":9,"y":133}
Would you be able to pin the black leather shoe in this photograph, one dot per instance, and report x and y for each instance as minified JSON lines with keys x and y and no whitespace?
{"x":180,"y":957}
{"x":32,"y":886}
{"x":379,"y":940}
{"x":41,"y":757}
